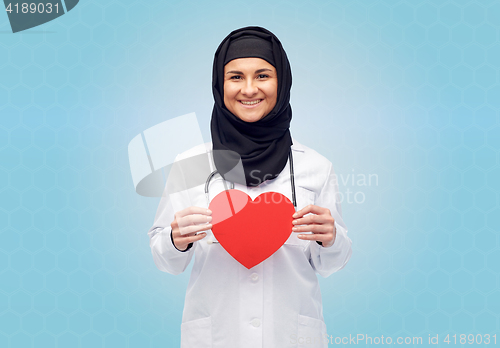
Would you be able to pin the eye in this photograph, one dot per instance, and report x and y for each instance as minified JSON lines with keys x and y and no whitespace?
{"x":262,"y":76}
{"x":235,"y":77}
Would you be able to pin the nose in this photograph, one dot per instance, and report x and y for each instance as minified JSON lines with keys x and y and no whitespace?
{"x":249,"y":89}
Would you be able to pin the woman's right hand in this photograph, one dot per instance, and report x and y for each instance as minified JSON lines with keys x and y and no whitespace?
{"x":187,"y":223}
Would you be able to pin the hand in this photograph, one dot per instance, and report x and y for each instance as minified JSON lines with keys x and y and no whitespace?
{"x":320,"y":222}
{"x":187,"y":223}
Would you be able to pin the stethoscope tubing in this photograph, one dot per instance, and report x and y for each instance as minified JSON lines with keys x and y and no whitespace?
{"x":292,"y":182}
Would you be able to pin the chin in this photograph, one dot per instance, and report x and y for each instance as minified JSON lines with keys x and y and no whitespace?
{"x":249,"y":118}
{"x":247,"y":115}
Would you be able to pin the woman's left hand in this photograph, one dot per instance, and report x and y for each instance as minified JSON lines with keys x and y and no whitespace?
{"x":319,"y":221}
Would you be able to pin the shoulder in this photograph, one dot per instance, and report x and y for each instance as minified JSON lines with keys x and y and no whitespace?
{"x":194,"y":151}
{"x":306,"y":155}
{"x":312,"y":170}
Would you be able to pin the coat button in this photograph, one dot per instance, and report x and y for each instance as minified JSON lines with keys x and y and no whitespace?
{"x":256,"y":323}
{"x":254,"y":277}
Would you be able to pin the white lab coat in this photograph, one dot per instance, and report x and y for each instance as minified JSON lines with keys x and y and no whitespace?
{"x":275,"y":304}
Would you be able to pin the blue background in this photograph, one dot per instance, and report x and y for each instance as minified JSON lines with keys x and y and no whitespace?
{"x":406,"y":90}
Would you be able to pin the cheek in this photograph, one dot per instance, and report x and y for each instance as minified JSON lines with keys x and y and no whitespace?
{"x":228,"y":93}
{"x":273,"y":95}
{"x":226,"y":96}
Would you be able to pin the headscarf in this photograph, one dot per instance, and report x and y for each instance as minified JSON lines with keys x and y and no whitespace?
{"x":264,"y":145}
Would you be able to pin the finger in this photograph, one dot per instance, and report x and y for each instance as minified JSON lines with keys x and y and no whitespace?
{"x":314,"y":219}
{"x":193,"y":210}
{"x":312,"y":228}
{"x":317,"y":237}
{"x":311,"y":208}
{"x":191,"y":239}
{"x":194,"y":228}
{"x":194,"y":220}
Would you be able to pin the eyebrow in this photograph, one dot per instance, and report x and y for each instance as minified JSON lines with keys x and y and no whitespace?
{"x":241,"y":73}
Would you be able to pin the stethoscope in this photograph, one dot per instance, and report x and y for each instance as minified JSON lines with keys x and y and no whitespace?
{"x":292,"y":182}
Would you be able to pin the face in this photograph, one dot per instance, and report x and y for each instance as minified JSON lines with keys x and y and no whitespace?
{"x":250,"y":88}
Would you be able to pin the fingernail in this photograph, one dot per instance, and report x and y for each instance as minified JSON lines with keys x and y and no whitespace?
{"x":294,"y":215}
{"x":294,"y":222}
{"x":294,"y":228}
{"x":300,"y":235}
{"x":209,"y":218}
{"x":209,"y":211}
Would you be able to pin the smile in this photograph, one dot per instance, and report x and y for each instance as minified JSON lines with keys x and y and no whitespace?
{"x":250,"y":102}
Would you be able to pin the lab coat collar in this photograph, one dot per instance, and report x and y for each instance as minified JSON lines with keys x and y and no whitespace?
{"x":296,"y":146}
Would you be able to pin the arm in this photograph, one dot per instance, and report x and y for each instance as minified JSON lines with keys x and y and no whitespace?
{"x":327,"y":260}
{"x":327,"y":227}
{"x":165,"y":255}
{"x":173,"y":235}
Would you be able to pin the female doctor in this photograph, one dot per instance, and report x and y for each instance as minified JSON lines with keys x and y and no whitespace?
{"x":276,"y":303}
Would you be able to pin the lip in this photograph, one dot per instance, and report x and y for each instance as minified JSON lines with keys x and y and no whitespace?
{"x":250,"y":106}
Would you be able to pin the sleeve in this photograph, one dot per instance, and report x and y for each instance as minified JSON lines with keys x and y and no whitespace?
{"x":327,"y":260}
{"x":165,"y":255}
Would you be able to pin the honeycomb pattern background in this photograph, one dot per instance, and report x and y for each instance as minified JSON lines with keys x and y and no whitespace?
{"x":406,"y":90}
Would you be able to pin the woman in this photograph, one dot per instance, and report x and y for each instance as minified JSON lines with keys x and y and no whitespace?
{"x":276,"y":303}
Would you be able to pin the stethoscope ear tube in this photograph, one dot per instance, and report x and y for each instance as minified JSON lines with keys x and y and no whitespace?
{"x":207,"y":184}
{"x":292,"y":182}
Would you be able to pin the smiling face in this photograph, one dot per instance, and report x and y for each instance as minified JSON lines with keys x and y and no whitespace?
{"x":250,"y":88}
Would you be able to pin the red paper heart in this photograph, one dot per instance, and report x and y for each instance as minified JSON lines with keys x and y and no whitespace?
{"x":251,"y":231}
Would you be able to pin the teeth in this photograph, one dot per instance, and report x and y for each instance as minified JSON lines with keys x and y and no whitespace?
{"x":250,"y":102}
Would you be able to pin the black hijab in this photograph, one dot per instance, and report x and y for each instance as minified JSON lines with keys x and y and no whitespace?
{"x":264,"y":145}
